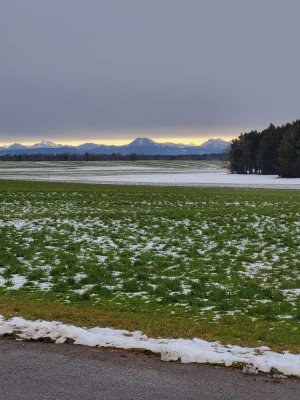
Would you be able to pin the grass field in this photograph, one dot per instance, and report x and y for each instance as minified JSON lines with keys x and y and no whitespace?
{"x":213,"y":263}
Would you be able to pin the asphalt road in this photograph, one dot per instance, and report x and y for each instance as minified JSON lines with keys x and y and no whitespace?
{"x":48,"y":371}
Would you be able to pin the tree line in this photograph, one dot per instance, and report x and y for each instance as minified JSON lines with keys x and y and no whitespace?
{"x":275,"y":150}
{"x":109,"y":157}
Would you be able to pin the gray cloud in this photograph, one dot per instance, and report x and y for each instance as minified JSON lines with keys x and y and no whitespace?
{"x":70,"y":66}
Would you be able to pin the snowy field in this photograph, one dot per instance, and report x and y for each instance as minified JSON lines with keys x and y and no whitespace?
{"x":216,"y":254}
{"x":181,"y":173}
{"x":213,"y":263}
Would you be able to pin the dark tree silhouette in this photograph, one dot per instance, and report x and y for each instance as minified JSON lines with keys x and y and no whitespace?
{"x":289,"y":153}
{"x":275,"y":150}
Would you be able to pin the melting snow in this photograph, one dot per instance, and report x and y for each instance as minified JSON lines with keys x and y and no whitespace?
{"x":185,"y":350}
{"x":18,"y":281}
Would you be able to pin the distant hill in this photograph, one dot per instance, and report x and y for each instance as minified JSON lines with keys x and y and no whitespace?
{"x":138,"y":146}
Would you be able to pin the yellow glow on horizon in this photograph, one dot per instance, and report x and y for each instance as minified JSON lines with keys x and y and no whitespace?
{"x":119,"y":142}
{"x":72,"y":142}
{"x":190,"y":140}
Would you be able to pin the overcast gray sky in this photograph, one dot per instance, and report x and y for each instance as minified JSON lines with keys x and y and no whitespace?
{"x":112,"y":69}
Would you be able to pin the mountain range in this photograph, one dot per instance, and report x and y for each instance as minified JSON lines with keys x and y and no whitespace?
{"x":139,"y":146}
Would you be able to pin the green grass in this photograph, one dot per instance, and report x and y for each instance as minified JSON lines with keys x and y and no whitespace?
{"x":215,"y":263}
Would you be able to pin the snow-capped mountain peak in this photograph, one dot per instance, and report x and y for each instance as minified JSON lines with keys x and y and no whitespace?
{"x":45,"y":144}
{"x":142,"y":141}
{"x":215,"y":141}
{"x":215,"y":145}
{"x":140,"y":145}
{"x":16,"y":146}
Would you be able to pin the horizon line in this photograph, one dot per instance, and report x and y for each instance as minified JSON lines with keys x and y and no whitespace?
{"x":119,"y":142}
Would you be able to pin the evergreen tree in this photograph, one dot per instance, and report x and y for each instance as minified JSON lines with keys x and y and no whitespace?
{"x":275,"y":150}
{"x":268,"y":151}
{"x":289,"y":153}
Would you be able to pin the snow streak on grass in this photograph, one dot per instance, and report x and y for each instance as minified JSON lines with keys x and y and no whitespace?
{"x":204,"y":254}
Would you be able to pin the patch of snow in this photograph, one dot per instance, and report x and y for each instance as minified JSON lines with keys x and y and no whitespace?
{"x":18,"y":281}
{"x":150,"y":176}
{"x":101,"y":258}
{"x":291,"y":292}
{"x":44,"y":285}
{"x":2,"y":281}
{"x":185,"y":350}
{"x":83,"y":290}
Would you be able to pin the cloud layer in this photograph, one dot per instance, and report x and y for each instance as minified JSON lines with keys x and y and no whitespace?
{"x":71,"y":67}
